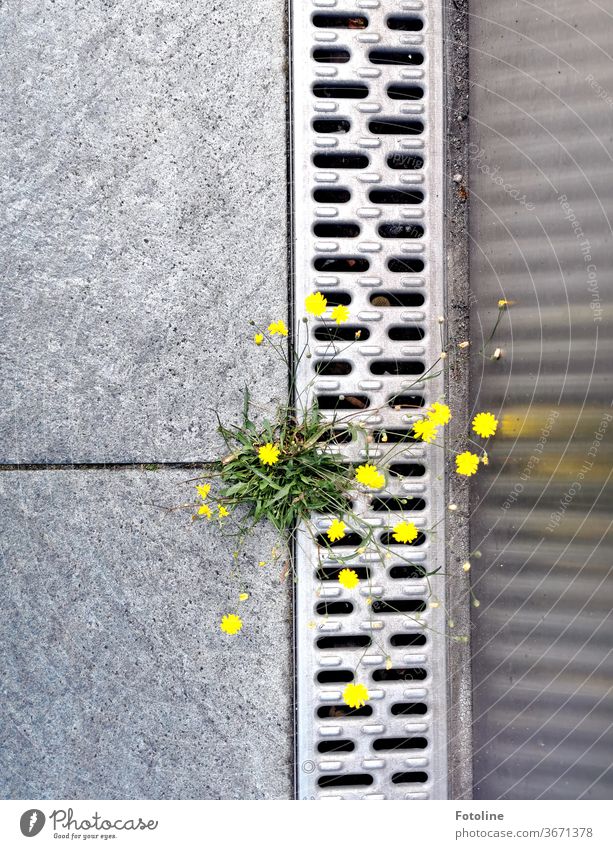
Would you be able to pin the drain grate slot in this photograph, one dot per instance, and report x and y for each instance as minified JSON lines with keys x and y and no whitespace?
{"x":398,"y":504}
{"x":400,"y":674}
{"x":395,"y":127}
{"x":367,"y":182}
{"x":331,"y":573}
{"x":336,"y":676}
{"x":347,"y":780}
{"x":337,"y":230}
{"x":388,"y":56}
{"x":328,"y":746}
{"x":394,"y":744}
{"x":399,"y":161}
{"x":406,"y":402}
{"x":348,"y":264}
{"x":401,"y":573}
{"x":398,"y":605}
{"x":388,"y":539}
{"x":343,"y":712}
{"x":337,"y":21}
{"x":337,"y":55}
{"x":400,"y":230}
{"x":399,"y":265}
{"x":346,"y":91}
{"x":409,"y":777}
{"x":343,"y":402}
{"x":331,"y":125}
{"x":405,"y":23}
{"x":344,"y":641}
{"x":409,"y":709}
{"x":404,"y":640}
{"x":347,"y":333}
{"x":396,"y":299}
{"x":396,"y":91}
{"x":338,"y":367}
{"x":395,"y":196}
{"x":396,"y":367}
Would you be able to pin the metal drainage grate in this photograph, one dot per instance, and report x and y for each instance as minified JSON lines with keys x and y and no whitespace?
{"x":368,"y":221}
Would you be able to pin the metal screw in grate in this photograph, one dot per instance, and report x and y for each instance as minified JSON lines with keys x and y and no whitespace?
{"x":368,"y":223}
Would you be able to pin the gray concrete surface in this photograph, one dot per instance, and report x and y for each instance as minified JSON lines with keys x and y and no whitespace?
{"x":143,"y":190}
{"x":144,"y":201}
{"x":116,"y":680}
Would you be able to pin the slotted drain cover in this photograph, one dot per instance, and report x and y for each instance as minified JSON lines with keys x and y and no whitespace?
{"x":368,"y":230}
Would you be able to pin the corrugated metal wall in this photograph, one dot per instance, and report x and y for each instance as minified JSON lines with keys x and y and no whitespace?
{"x":541,"y":190}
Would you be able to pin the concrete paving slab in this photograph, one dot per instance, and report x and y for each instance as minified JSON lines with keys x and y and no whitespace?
{"x":116,"y":680}
{"x":143,"y":188}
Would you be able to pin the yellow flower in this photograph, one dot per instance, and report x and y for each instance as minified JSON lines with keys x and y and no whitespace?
{"x":277,"y":327}
{"x":425,"y":430}
{"x":262,"y":563}
{"x":231,"y":624}
{"x":485,"y":424}
{"x":243,"y":597}
{"x":222,"y":511}
{"x":466,"y":463}
{"x":485,"y":459}
{"x":315,"y":304}
{"x":358,"y":333}
{"x":502,"y":303}
{"x":204,"y":510}
{"x":348,"y":578}
{"x":369,"y":476}
{"x":340,"y":313}
{"x":355,"y":695}
{"x":336,"y":530}
{"x":258,"y":338}
{"x":405,"y":532}
{"x":268,"y":454}
{"x":203,"y":490}
{"x":439,"y":414}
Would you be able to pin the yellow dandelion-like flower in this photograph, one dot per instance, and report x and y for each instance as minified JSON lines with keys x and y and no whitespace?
{"x":358,"y":333}
{"x":277,"y":328}
{"x":485,"y":459}
{"x":203,"y":490}
{"x":485,"y":424}
{"x":405,"y":532}
{"x":204,"y":510}
{"x":231,"y":623}
{"x":425,"y":430}
{"x":502,"y":303}
{"x":243,"y":597}
{"x":369,"y":476}
{"x":355,"y":695}
{"x":439,"y":414}
{"x":348,"y":578}
{"x":262,"y":563}
{"x":222,"y":511}
{"x":258,"y":338}
{"x":336,"y":530}
{"x":268,"y":454}
{"x":340,"y":314}
{"x":466,"y":463}
{"x":316,"y":304}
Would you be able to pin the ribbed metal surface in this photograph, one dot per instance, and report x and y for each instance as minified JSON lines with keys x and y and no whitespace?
{"x":353,"y":97}
{"x":542,"y":193}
